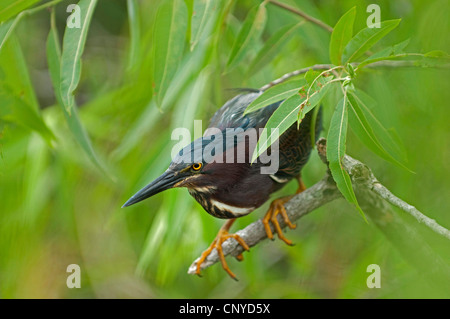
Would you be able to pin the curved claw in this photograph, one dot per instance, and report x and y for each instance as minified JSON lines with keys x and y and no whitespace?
{"x":222,"y":236}
{"x":277,"y":207}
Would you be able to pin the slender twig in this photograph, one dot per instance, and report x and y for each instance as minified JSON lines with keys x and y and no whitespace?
{"x":319,"y":67}
{"x":370,"y":191}
{"x":305,"y":16}
{"x":386,"y":194}
{"x":289,"y":75}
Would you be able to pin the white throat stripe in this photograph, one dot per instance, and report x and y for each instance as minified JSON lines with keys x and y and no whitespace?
{"x":239,"y":211}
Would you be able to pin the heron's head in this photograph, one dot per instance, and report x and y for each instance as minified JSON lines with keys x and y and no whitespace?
{"x":193,"y":169}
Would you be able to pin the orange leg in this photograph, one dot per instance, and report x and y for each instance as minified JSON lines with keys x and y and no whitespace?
{"x":277,"y":207}
{"x":222,"y":236}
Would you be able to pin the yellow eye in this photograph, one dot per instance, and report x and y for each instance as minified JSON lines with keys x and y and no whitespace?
{"x":197,"y":166}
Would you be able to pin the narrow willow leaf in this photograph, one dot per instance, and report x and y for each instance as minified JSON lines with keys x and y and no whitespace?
{"x":275,"y":94}
{"x":310,"y":76}
{"x":168,"y":43}
{"x":283,"y":117}
{"x":17,"y":110}
{"x":272,"y":47}
{"x":399,"y":47}
{"x":74,"y":123}
{"x":18,"y":92}
{"x":135,"y":32}
{"x":249,"y":34}
{"x":342,"y":33}
{"x":14,"y":71}
{"x":436,"y":54}
{"x":389,"y":53}
{"x":336,"y":142}
{"x":204,"y":10}
{"x":365,"y":39}
{"x":384,"y":54}
{"x":10,"y":8}
{"x":364,"y":131}
{"x":315,"y":97}
{"x":366,"y":103}
{"x":292,"y":110}
{"x":312,"y":130}
{"x":73,"y":46}
{"x":6,"y":29}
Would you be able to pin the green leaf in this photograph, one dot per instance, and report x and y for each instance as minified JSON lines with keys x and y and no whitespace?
{"x":249,"y":34}
{"x":310,"y":77}
{"x":366,"y":103}
{"x":73,"y":46}
{"x":365,"y":39}
{"x":19,"y":101}
{"x":275,"y":94}
{"x":135,"y":32}
{"x":73,"y":121}
{"x":168,"y":43}
{"x":283,"y":117}
{"x":321,"y":87}
{"x":203,"y":11}
{"x":389,"y":53}
{"x":364,"y":131}
{"x":6,"y":29}
{"x":399,"y":47}
{"x":342,"y":33}
{"x":291,"y":110}
{"x":436,"y":54}
{"x":10,"y":8}
{"x":272,"y":47}
{"x":336,"y":142}
{"x":17,"y":110}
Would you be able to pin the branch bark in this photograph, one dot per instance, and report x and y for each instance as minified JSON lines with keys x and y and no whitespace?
{"x":373,"y":197}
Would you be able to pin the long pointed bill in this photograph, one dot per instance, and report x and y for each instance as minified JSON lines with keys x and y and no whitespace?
{"x":165,"y":181}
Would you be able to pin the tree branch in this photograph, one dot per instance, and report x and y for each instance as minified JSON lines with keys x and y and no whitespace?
{"x":386,"y":194}
{"x":371,"y":196}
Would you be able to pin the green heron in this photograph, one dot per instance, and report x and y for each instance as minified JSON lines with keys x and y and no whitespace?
{"x":231,"y":189}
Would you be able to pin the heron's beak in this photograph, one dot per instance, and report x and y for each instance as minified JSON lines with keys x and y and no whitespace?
{"x":165,"y":181}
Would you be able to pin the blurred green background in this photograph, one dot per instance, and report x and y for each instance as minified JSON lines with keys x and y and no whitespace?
{"x":58,"y":208}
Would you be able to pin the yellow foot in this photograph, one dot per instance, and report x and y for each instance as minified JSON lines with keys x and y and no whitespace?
{"x":222,"y":236}
{"x":277,"y":207}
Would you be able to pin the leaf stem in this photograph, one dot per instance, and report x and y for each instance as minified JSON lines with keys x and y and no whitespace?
{"x":317,"y":77}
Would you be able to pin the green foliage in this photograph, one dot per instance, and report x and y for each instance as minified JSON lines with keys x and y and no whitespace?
{"x":151,"y":66}
{"x":343,"y":47}
{"x":168,"y":44}
{"x":204,"y":11}
{"x":275,"y":94}
{"x":249,"y":34}
{"x":336,"y":141}
{"x":10,"y":8}
{"x":364,"y":128}
{"x":272,"y":46}
{"x":342,"y":33}
{"x":18,"y":100}
{"x":365,"y":39}
{"x":73,"y":47}
{"x":73,"y":121}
